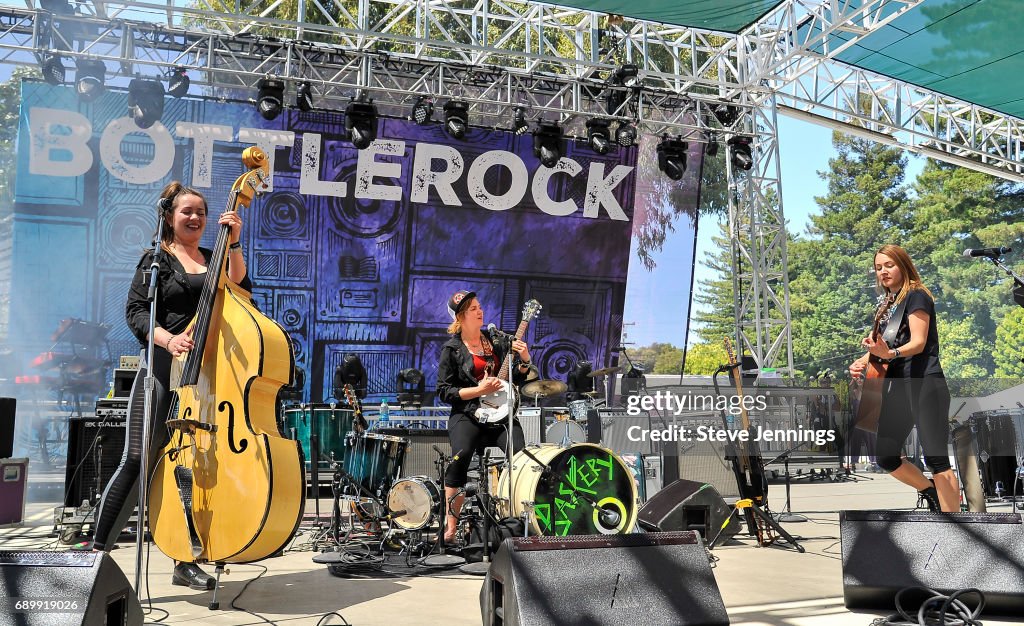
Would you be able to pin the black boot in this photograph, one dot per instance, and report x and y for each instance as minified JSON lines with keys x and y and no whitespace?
{"x":190,"y":575}
{"x":931,"y":498}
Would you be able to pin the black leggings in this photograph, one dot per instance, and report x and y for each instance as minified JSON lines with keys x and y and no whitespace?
{"x":468,"y":436}
{"x":122,"y":492}
{"x":904,"y":402}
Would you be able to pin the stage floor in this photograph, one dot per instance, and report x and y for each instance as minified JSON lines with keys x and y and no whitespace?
{"x":760,"y":586}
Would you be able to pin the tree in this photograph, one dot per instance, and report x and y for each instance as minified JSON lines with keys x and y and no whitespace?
{"x":1009,"y":346}
{"x":706,"y":357}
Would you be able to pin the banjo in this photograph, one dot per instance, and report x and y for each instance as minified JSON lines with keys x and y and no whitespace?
{"x":494,"y":407}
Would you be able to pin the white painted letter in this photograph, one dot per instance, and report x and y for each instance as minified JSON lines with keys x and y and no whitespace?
{"x":309,"y":181}
{"x":423,"y":177}
{"x":203,"y":136}
{"x":516,"y":191}
{"x":599,"y":191}
{"x":267,"y":141}
{"x":70,"y":142}
{"x":540,"y":187}
{"x":368,"y":168}
{"x":110,"y":151}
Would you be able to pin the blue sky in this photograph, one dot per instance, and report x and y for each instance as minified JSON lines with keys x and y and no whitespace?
{"x":804,"y":150}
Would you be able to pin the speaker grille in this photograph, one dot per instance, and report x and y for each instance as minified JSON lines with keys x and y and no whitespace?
{"x":577,"y":542}
{"x":420,"y":455}
{"x":95,"y":447}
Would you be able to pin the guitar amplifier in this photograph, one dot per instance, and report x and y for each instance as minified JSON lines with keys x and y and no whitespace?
{"x":616,"y":427}
{"x":420,"y":455}
{"x":95,"y":447}
{"x":530,"y":418}
{"x":112,"y":409}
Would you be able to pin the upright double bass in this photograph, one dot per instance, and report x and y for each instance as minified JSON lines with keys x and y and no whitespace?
{"x":228,"y":488}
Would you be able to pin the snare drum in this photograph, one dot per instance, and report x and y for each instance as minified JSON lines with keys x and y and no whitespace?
{"x":375,"y":462}
{"x":333,"y":427}
{"x":578,"y":410}
{"x":564,"y":431}
{"x":419,"y":497}
{"x":593,"y":470}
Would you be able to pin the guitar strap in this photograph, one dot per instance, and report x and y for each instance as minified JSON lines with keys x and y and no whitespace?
{"x":893,"y":325}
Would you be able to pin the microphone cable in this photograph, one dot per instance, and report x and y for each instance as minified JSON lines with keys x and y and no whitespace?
{"x":936,"y":610}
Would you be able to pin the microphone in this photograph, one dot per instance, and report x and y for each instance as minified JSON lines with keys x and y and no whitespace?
{"x":166,"y":204}
{"x":494,"y":330}
{"x":989,"y":253}
{"x":438,"y":450}
{"x":609,"y":518}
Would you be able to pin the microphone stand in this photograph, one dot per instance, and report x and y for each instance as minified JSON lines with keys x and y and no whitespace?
{"x":442,"y":559}
{"x":149,"y":389}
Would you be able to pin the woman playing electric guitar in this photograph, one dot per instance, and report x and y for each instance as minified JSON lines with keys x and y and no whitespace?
{"x":914,"y":388}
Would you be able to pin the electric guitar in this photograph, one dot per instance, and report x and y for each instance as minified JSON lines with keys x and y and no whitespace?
{"x":358,"y":423}
{"x":494,"y":407}
{"x":749,"y":470}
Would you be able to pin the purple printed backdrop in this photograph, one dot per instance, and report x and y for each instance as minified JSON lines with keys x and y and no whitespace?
{"x":341,"y":274}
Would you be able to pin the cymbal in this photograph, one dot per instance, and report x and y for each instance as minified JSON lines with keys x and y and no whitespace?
{"x":605,"y":371}
{"x":590,"y":394}
{"x":544,"y":388}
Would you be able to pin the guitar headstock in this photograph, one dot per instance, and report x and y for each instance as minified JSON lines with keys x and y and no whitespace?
{"x":357,"y":409}
{"x":531,"y":309}
{"x":253,"y":182}
{"x":729,"y":351}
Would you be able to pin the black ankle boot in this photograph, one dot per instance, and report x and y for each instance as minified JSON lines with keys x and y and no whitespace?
{"x":189,"y":575}
{"x":931,"y":498}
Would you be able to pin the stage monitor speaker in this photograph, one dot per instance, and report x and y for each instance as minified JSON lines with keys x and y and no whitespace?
{"x":84,"y":588}
{"x":596,"y":580}
{"x":8,"y":408}
{"x":688,"y":505}
{"x":95,"y":447}
{"x":420,"y":455}
{"x":886,"y":551}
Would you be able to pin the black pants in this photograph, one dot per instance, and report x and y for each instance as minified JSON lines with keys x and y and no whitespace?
{"x":467,"y":436}
{"x":909,"y":401}
{"x":122,"y":492}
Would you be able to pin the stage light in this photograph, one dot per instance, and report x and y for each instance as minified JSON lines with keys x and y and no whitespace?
{"x":178,"y":82}
{"x":423,"y":110}
{"x":519,"y":123}
{"x":352,"y":373}
{"x":711,"y":148}
{"x":740,"y":151}
{"x":411,"y":387}
{"x":456,"y":118}
{"x":625,"y":134}
{"x":270,"y":97}
{"x":599,"y":135}
{"x":627,"y":75}
{"x":90,"y":77}
{"x":145,"y":101}
{"x":548,"y":144}
{"x":672,"y":157}
{"x":304,"y":97}
{"x":361,"y":123}
{"x":53,"y":70}
{"x":726,"y":114}
{"x":578,"y":380}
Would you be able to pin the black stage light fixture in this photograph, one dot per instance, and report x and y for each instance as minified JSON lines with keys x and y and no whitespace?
{"x":352,"y":373}
{"x":519,"y":123}
{"x":726,"y":114}
{"x":90,"y":78}
{"x":578,"y":380}
{"x":361,"y":123}
{"x":548,"y":144}
{"x":145,"y":101}
{"x":625,"y":134}
{"x":270,"y":97}
{"x":739,"y":149}
{"x":411,"y":387}
{"x":626,"y":75}
{"x":456,"y":118}
{"x":53,"y":70}
{"x":178,"y":82}
{"x":672,"y":157}
{"x":304,"y":97}
{"x":711,"y":149}
{"x":423,"y":110}
{"x":599,"y":135}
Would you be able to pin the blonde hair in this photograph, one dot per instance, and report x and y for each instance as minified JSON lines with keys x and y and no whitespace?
{"x":456,"y":326}
{"x":172,"y":192}
{"x":911,"y":277}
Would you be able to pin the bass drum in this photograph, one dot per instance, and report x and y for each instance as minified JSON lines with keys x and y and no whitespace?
{"x":590,"y":469}
{"x":419,"y":498}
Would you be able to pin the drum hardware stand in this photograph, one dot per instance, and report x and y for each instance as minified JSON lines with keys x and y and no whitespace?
{"x":442,"y":559}
{"x":484,"y":496}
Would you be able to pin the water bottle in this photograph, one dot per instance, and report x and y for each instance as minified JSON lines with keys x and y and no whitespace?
{"x":110,"y":392}
{"x":385,"y":413}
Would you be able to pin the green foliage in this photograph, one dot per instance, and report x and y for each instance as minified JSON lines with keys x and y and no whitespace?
{"x":1010,"y":345}
{"x":705,"y":358}
{"x":10,"y":109}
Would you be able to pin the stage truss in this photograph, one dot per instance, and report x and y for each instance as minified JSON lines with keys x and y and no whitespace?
{"x":557,"y":64}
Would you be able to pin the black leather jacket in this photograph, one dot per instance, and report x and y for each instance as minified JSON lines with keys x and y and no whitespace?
{"x":175,"y":306}
{"x":455,"y":371}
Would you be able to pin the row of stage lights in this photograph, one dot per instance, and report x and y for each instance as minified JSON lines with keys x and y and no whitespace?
{"x":146,"y":106}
